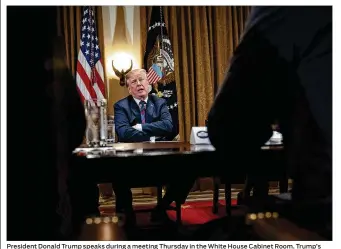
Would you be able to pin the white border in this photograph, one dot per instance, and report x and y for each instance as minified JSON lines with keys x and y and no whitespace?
{"x":336,"y":85}
{"x":3,"y":122}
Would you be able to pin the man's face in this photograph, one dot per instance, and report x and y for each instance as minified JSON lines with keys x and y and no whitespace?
{"x":138,"y":85}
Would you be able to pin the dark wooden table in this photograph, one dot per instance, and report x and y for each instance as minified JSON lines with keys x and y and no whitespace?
{"x":144,"y":163}
{"x":155,"y":164}
{"x":163,"y":159}
{"x":142,"y":149}
{"x":151,"y":164}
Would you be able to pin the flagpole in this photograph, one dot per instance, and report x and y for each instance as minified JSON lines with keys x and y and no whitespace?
{"x":161,"y":25}
{"x":161,"y":30}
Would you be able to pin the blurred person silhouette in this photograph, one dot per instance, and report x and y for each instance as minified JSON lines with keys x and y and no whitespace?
{"x":45,"y":123}
{"x":282,"y":69}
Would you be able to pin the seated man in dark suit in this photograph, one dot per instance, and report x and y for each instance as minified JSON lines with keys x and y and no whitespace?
{"x":138,"y":118}
{"x":141,"y":116}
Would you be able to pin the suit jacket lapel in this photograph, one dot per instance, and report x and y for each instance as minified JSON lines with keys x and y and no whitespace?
{"x":135,"y":111}
{"x":150,"y":111}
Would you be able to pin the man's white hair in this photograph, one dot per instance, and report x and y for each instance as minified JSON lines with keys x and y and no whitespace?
{"x":135,"y":72}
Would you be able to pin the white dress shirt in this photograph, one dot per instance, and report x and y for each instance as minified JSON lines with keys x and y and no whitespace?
{"x":139,"y":100}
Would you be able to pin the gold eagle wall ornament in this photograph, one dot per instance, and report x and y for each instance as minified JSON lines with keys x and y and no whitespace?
{"x":122,"y":74}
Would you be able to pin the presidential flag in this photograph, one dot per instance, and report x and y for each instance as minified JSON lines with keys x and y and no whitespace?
{"x":159,"y":64}
{"x":90,"y":75}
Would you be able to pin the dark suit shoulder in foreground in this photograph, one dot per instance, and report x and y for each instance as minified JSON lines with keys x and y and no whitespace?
{"x":282,"y":70}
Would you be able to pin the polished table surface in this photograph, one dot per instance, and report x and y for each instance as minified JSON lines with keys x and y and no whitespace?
{"x":142,"y":149}
{"x":151,"y":149}
{"x":166,"y":160}
{"x":134,"y":161}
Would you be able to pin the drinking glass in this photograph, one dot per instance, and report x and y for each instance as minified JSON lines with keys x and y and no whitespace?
{"x":92,"y":114}
{"x":111,"y":130}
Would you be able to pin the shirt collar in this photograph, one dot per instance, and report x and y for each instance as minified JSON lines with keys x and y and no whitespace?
{"x":139,"y":100}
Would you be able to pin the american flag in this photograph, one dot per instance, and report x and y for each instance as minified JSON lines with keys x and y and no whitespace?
{"x":90,"y":75}
{"x":154,"y":74}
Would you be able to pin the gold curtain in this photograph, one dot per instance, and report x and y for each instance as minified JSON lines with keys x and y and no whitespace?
{"x":69,"y":26}
{"x":203,"y":40}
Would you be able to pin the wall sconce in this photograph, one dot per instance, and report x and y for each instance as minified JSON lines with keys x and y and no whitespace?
{"x":123,"y":61}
